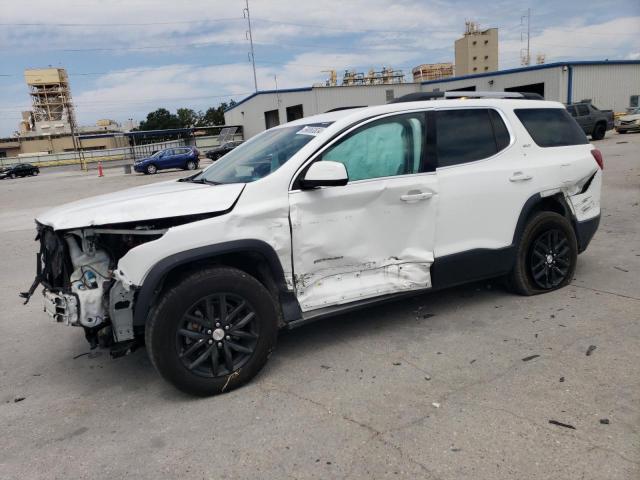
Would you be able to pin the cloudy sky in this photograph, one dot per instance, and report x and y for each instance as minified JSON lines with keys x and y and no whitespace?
{"x":127,"y":57}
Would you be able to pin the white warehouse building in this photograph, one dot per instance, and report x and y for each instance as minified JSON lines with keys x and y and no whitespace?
{"x":608,"y":84}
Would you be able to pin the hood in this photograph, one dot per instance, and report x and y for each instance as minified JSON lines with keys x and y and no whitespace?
{"x":628,"y":118}
{"x":147,"y":202}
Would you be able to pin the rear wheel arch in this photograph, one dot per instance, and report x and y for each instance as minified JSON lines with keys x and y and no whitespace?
{"x":255,"y":257}
{"x":537,"y":203}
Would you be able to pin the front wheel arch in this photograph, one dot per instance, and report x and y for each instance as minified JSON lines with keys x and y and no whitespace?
{"x":255,"y":257}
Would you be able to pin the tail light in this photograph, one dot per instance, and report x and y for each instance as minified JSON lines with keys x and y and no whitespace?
{"x":597,"y":154}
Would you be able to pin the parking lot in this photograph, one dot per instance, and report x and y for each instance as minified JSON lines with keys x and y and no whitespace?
{"x":461,"y":383}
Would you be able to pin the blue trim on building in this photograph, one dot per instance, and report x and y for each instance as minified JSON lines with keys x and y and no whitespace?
{"x":261,"y":92}
{"x":569,"y":83}
{"x":533,"y":67}
{"x":468,"y":77}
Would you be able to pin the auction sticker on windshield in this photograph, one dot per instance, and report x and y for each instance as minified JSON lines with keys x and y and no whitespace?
{"x":311,"y":130}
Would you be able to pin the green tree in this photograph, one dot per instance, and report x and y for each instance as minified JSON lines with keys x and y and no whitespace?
{"x":214,"y":116}
{"x":160,"y":119}
{"x":188,"y":117}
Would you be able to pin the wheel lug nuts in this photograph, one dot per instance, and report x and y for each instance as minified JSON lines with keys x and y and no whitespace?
{"x":219,"y":344}
{"x":209,"y":332}
{"x":227,"y":327}
{"x":210,"y":341}
{"x":218,"y":324}
{"x":228,"y":337}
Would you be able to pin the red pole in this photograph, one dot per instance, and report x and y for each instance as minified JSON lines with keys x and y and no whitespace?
{"x":100,"y":172}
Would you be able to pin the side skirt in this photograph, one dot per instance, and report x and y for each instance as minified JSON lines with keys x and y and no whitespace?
{"x":472,"y":265}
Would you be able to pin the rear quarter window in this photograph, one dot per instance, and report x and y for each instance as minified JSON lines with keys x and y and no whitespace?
{"x":551,"y":127}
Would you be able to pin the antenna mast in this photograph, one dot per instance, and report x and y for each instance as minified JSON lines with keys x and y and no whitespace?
{"x":247,"y":15}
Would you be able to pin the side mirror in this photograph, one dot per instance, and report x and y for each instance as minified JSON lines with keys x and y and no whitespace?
{"x":325,"y":174}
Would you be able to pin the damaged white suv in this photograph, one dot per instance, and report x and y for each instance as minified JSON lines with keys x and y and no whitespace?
{"x":318,"y":216}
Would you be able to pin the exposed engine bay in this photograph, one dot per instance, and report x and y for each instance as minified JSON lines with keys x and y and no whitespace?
{"x":78,"y":270}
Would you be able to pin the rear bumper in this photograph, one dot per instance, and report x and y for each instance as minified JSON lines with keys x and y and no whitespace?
{"x":585,"y":231}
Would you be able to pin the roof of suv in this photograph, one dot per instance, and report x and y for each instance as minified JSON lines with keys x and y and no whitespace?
{"x":356,"y":114}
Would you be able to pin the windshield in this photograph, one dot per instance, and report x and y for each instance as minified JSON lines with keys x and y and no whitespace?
{"x":260,"y":156}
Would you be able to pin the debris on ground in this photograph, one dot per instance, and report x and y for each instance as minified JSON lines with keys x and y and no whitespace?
{"x":453,"y":449}
{"x":81,"y":355}
{"x":397,"y":363}
{"x":436,"y":404}
{"x":621,"y":269}
{"x":427,"y":377}
{"x":560,"y":424}
{"x":326,"y":367}
{"x":530,"y":357}
{"x":604,"y":421}
{"x":18,"y":399}
{"x":590,"y":350}
{"x":473,"y":361}
{"x":561,"y":379}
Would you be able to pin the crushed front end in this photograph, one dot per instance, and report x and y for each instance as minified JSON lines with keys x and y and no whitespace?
{"x":82,"y":286}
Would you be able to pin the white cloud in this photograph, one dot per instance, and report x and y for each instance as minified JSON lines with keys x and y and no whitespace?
{"x":576,"y":40}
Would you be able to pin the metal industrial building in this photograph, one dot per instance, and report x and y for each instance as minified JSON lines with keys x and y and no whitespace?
{"x":609,"y":85}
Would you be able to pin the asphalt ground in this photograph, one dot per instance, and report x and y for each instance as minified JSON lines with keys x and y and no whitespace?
{"x":456,"y":384}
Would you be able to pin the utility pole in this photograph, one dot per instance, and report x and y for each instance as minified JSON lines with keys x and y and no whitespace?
{"x":525,"y":59}
{"x":247,"y":15}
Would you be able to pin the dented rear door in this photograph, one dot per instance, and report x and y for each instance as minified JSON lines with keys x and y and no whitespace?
{"x":375,"y":235}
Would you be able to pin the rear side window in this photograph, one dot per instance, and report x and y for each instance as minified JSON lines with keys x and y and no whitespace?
{"x":551,"y":127}
{"x":469,"y":135}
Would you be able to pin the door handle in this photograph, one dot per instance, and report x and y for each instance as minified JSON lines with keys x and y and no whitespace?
{"x":519,"y":177}
{"x":415,"y":197}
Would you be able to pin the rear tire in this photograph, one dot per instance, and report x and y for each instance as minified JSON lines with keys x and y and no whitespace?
{"x":204,"y":348}
{"x":151,"y":169}
{"x":191,"y":165}
{"x":599,"y":131}
{"x":546,"y":255}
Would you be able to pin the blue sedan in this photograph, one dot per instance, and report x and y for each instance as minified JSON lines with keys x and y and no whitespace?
{"x":186,"y":158}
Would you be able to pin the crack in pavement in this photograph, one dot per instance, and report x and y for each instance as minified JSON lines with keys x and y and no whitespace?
{"x":375,"y":433}
{"x":572,"y":434}
{"x":605,"y":291}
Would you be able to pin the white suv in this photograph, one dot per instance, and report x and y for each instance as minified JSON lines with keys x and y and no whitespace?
{"x":319,"y":216}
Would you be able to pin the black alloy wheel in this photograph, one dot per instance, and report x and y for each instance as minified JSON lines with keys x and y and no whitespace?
{"x":212,"y":330}
{"x":546,"y":255}
{"x":549,"y":259}
{"x":217,"y":335}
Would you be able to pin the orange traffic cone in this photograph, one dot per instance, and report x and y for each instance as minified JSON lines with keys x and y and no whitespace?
{"x":100,"y":172}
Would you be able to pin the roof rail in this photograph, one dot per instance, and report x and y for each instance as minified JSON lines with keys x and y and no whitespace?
{"x":421,"y":96}
{"x":337,"y":109}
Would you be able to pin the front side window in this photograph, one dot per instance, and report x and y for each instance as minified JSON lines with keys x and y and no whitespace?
{"x":384,"y":148}
{"x":261,"y":155}
{"x":467,"y":135}
{"x":551,"y":127}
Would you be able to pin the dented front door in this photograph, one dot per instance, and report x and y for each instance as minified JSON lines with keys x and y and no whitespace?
{"x":375,"y":235}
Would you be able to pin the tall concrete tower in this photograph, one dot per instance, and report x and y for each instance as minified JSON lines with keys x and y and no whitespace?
{"x":477,"y":50}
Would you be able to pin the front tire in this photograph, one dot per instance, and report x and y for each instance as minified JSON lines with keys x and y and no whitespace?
{"x":151,"y":169}
{"x":546,"y":255}
{"x":212,"y":332}
{"x":599,"y":131}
